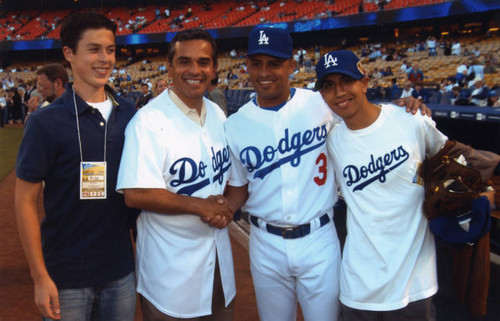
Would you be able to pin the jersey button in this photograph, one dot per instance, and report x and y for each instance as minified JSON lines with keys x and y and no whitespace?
{"x":101,"y":123}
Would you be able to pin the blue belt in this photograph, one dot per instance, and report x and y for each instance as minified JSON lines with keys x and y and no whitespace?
{"x":293,"y":232}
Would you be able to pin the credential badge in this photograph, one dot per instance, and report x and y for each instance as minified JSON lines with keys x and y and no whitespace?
{"x":330,"y":60}
{"x":263,"y":40}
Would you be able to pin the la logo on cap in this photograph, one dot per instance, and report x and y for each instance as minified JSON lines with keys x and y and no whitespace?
{"x":330,"y":60}
{"x":263,"y":40}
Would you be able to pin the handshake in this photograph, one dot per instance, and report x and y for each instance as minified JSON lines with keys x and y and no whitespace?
{"x":217,"y":212}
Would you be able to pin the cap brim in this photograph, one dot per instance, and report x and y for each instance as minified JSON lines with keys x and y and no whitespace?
{"x":268,"y":52}
{"x":347,"y":73}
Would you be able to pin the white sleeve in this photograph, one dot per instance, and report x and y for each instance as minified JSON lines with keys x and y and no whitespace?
{"x":237,"y":173}
{"x":143,"y":158}
{"x":434,"y":139}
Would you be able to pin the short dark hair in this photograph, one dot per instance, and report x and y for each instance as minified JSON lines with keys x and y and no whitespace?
{"x":192,"y":34}
{"x":74,"y":25}
{"x":54,"y":72}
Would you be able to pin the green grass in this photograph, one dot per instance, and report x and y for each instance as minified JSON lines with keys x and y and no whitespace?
{"x":10,"y":138}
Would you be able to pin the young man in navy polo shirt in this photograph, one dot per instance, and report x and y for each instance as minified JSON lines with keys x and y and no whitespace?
{"x":81,"y":258}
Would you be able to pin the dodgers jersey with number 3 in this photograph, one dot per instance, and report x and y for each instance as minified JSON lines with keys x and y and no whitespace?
{"x":389,"y":257}
{"x":282,"y":156}
{"x":164,"y":149}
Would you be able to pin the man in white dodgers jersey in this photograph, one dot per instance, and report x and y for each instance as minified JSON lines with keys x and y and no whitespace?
{"x":388,"y":269}
{"x":281,"y":172}
{"x":174,"y":162}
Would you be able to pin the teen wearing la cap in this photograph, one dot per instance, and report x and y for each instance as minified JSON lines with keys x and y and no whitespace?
{"x":281,"y":173}
{"x":388,"y":269}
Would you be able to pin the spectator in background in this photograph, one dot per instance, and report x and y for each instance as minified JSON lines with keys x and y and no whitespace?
{"x":375,"y":91}
{"x":317,"y":52}
{"x":375,"y":54}
{"x":18,"y":105}
{"x":3,"y":105}
{"x":51,"y":80}
{"x":447,"y":47}
{"x":435,"y":96}
{"x":493,"y":99}
{"x":464,"y":98}
{"x":407,"y":90}
{"x":233,"y":54}
{"x":431,"y":46}
{"x":420,"y":93}
{"x":415,"y":74}
{"x":388,"y":72}
{"x":475,"y":70}
{"x":302,"y":56}
{"x":393,"y":91}
{"x":489,"y":68}
{"x":144,"y":97}
{"x":9,"y":109}
{"x":377,"y":74}
{"x":405,"y":66}
{"x":455,"y":94}
{"x":448,"y":83}
{"x":479,"y":94}
{"x":159,"y":86}
{"x":462,"y":72}
{"x":476,"y":52}
{"x":216,"y":94}
{"x":456,"y":48}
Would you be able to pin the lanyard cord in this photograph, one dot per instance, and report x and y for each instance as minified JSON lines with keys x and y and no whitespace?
{"x":78,"y":130}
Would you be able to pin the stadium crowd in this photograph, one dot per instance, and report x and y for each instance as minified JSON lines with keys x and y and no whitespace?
{"x":468,"y":74}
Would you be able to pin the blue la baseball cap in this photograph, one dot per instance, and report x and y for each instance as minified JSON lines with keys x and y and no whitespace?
{"x":338,"y":62}
{"x":492,"y":93}
{"x":270,"y":41}
{"x":451,"y":230}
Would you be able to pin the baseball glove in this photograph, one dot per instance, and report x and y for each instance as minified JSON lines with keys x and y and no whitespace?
{"x":450,"y":187}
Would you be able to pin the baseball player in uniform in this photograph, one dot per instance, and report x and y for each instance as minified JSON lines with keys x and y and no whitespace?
{"x":174,"y":160}
{"x":388,"y":269}
{"x":283,"y":170}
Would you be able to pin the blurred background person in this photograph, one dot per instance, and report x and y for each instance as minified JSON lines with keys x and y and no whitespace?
{"x":216,"y":94}
{"x":159,"y":86}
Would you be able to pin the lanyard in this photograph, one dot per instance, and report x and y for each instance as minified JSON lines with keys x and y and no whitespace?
{"x":79,"y":134}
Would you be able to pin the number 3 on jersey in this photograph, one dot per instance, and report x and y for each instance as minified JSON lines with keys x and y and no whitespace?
{"x":321,"y":161}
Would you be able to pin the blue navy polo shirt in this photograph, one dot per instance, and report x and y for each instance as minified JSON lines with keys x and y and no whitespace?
{"x":85,"y":242}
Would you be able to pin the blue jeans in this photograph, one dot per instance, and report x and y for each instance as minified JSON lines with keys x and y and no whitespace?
{"x":114,"y":301}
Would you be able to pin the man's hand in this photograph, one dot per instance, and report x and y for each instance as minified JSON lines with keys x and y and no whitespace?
{"x":413,"y":105}
{"x":47,"y":298}
{"x":33,"y":103}
{"x":218,"y":213}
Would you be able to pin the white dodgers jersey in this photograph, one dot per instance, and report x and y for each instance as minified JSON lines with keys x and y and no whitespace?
{"x":282,"y":156}
{"x":164,"y":149}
